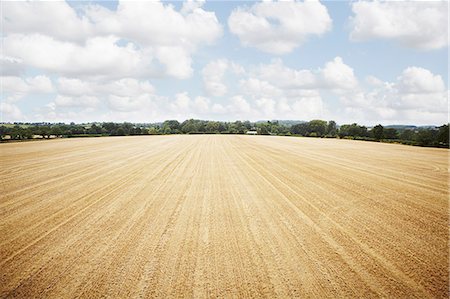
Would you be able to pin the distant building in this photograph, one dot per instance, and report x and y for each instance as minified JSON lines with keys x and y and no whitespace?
{"x":251,"y":133}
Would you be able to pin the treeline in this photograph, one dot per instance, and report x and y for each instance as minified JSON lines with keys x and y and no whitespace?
{"x":423,"y":136}
{"x":48,"y":130}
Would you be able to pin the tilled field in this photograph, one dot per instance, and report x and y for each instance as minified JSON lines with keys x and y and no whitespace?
{"x":222,"y":216}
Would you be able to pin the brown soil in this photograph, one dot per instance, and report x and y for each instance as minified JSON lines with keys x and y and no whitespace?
{"x":222,"y":216}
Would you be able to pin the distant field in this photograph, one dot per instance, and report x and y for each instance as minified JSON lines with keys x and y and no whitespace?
{"x":222,"y":216}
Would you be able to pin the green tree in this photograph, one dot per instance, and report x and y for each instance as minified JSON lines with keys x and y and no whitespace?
{"x":407,"y":134}
{"x":332,"y":128}
{"x":317,"y":126}
{"x":390,"y":133}
{"x":427,"y":137}
{"x":443,"y":135}
{"x":173,"y":125}
{"x":153,"y":131}
{"x":377,"y":132}
{"x":353,"y":130}
{"x":120,"y":131}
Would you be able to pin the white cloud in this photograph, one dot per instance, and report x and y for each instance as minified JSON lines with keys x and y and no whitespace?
{"x":213,"y":74}
{"x":74,"y":86}
{"x":201,"y":105}
{"x":416,"y":97}
{"x":279,"y":27}
{"x":420,"y":80}
{"x":155,"y":23}
{"x":191,"y":5}
{"x":127,"y":94}
{"x":126,"y":87}
{"x":99,"y":57}
{"x":173,"y":36}
{"x":279,"y":75}
{"x":310,"y":107}
{"x":79,"y":101}
{"x":54,"y":18}
{"x":338,"y":76}
{"x":11,"y":66}
{"x":218,"y":109}
{"x":15,"y":88}
{"x":95,"y":41}
{"x":177,"y":61}
{"x":10,"y":112}
{"x":182,"y":103}
{"x":239,"y":105}
{"x":266,"y":106}
{"x":121,"y":87}
{"x":127,"y":103}
{"x":415,"y":24}
{"x":259,"y":88}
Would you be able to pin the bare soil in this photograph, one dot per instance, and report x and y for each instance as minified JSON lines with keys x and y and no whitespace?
{"x":223,"y":216}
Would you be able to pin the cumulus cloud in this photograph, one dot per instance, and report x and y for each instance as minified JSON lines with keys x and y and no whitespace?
{"x":239,"y":105}
{"x":15,"y":88}
{"x":256,"y":87}
{"x":309,"y":107}
{"x":180,"y":106}
{"x":76,"y":101}
{"x":201,"y":105}
{"x":94,"y":41}
{"x":99,"y":57}
{"x":213,"y":74}
{"x":420,"y":80}
{"x":280,"y":75}
{"x":275,"y":90}
{"x":155,"y":23}
{"x":54,"y":18}
{"x":279,"y":27}
{"x":10,"y":112}
{"x":11,"y":66}
{"x":338,"y":76}
{"x":125,"y":94}
{"x":335,"y":75}
{"x":121,"y":87}
{"x":127,"y":103}
{"x":415,"y":24}
{"x":74,"y":86}
{"x":417,"y":96}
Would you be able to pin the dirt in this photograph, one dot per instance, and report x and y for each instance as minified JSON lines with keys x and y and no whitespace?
{"x":223,"y":216}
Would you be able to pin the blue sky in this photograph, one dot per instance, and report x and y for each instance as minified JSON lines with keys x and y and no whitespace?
{"x":365,"y":62}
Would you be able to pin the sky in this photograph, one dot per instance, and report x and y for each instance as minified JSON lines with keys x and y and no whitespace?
{"x":147,"y":61}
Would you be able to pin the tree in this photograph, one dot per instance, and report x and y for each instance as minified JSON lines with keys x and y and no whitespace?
{"x":331,"y":128}
{"x":443,"y":135}
{"x":407,"y":134}
{"x":152,"y":131}
{"x":390,"y":133}
{"x":55,"y":130}
{"x":212,"y":127}
{"x":189,"y":126}
{"x":427,"y":137}
{"x":300,"y":129}
{"x":120,"y":132}
{"x":377,"y":132}
{"x":353,"y":130}
{"x":94,"y":129}
{"x":263,"y":129}
{"x":319,"y":127}
{"x":173,"y":125}
{"x":44,"y":131}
